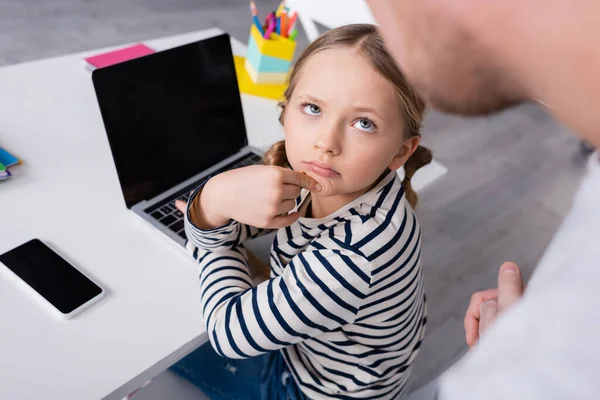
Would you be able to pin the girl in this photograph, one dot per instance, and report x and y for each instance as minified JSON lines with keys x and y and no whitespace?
{"x":343,"y":313}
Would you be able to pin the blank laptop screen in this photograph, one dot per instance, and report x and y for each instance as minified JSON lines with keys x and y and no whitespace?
{"x":170,"y":115}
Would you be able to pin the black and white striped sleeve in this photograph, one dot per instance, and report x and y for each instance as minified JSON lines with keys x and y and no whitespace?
{"x":223,"y":237}
{"x":317,"y":292}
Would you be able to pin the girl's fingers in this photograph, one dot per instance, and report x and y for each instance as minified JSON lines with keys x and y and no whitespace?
{"x":291,"y":192}
{"x":181,"y":205}
{"x":302,"y":180}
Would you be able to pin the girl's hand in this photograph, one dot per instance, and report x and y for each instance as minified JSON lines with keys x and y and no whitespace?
{"x":257,"y":195}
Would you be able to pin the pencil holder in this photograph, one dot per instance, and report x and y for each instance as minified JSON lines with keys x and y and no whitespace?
{"x":268,"y":61}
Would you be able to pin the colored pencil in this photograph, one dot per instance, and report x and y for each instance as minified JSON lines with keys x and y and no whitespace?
{"x":291,"y":23}
{"x":280,"y":8}
{"x":271,"y":26}
{"x":258,"y":26}
{"x":284,"y":23}
{"x":254,"y":12}
{"x":268,"y":20}
{"x":253,"y":9}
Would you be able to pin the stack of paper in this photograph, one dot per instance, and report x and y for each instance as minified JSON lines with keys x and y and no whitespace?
{"x":3,"y":172}
{"x":6,"y":160}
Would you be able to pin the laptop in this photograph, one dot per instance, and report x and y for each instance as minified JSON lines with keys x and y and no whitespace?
{"x":173,"y":119}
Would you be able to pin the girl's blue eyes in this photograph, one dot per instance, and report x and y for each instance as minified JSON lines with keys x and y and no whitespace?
{"x":363,"y":124}
{"x":311,"y":109}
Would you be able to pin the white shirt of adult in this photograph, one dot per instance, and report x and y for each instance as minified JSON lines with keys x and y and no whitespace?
{"x":548,"y":345}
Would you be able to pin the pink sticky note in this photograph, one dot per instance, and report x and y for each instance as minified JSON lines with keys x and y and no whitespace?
{"x":117,"y":56}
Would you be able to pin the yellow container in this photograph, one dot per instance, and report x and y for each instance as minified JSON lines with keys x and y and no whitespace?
{"x":268,"y":61}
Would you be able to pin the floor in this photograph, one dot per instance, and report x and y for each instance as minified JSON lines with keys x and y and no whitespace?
{"x":511,"y":176}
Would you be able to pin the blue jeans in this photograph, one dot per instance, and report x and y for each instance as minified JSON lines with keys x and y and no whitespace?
{"x":263,"y":377}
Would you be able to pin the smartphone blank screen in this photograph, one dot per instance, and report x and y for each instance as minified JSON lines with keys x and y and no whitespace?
{"x":50,"y":275}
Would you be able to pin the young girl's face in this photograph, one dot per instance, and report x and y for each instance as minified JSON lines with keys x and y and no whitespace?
{"x":343,"y":123}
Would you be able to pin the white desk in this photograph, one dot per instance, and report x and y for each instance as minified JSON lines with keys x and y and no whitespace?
{"x":67,"y":193}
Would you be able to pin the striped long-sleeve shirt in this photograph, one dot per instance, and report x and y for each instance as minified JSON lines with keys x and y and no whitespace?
{"x":345,"y":303}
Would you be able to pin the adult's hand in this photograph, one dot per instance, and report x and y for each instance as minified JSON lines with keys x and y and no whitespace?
{"x":486,"y":305}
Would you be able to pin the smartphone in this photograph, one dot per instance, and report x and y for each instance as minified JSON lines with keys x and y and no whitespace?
{"x":53,"y":280}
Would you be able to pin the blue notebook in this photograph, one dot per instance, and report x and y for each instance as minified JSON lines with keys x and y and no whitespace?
{"x":7,"y":159}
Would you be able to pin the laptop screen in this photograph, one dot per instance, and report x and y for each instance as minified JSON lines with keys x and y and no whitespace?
{"x":170,"y":115}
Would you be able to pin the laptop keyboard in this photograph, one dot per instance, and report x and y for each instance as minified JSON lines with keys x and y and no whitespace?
{"x":171,"y":217}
